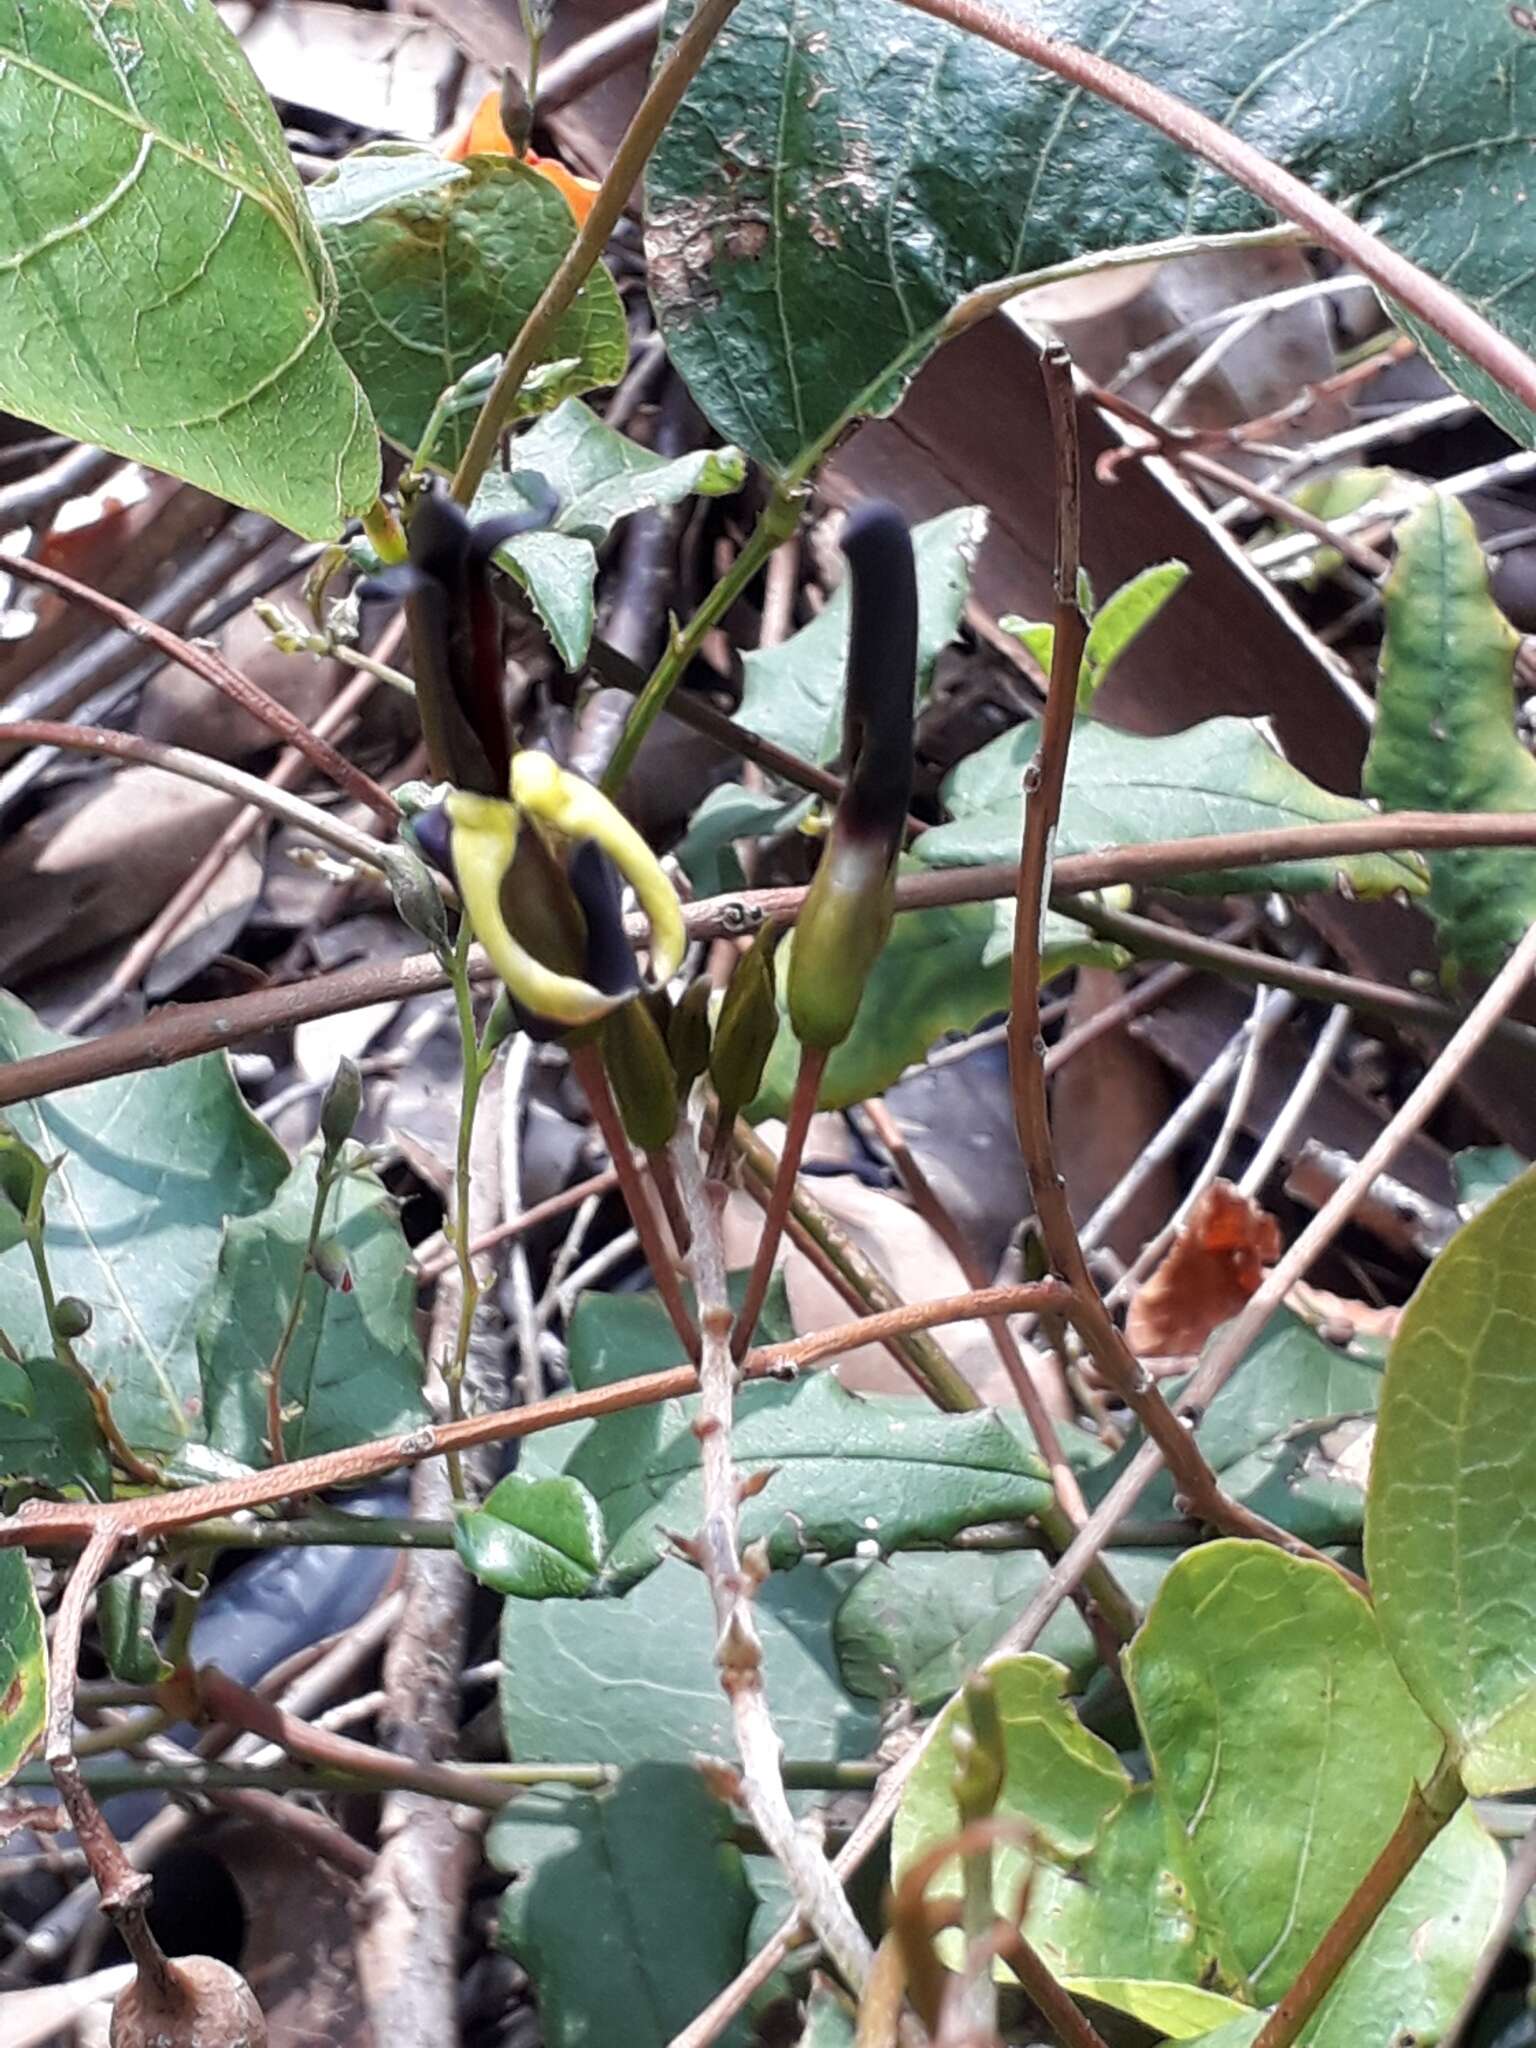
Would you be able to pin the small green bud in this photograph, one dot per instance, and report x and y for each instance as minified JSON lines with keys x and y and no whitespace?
{"x":514,"y":109}
{"x":418,"y":796}
{"x":287,"y":634}
{"x":642,"y":1076}
{"x":688,"y":1034}
{"x":72,"y":1317}
{"x":747,"y":1026}
{"x":332,"y":1264}
{"x":22,"y":1179}
{"x":417,"y":897}
{"x":340,"y":1106}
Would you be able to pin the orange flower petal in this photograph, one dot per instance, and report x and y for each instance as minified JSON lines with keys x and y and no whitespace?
{"x":485,"y":136}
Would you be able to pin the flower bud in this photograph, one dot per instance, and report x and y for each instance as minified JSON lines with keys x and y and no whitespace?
{"x":846,"y":917}
{"x":72,"y":1317}
{"x":340,"y":1106}
{"x":643,"y":1079}
{"x":747,"y":1026}
{"x":416,"y":896}
{"x":332,"y":1264}
{"x":688,"y":1034}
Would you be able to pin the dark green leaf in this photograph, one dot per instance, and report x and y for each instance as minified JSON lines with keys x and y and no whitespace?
{"x":631,"y":1680}
{"x":541,"y":1539}
{"x":16,"y":1392}
{"x":1221,"y":776}
{"x":162,"y":289}
{"x":942,"y":970}
{"x":1282,"y":1436}
{"x":727,"y":814}
{"x":793,"y":694}
{"x":839,"y":178}
{"x":629,"y":1909}
{"x":23,"y":1664}
{"x":599,"y":477}
{"x":1448,"y":1536}
{"x":434,"y":280}
{"x":125,"y":1618}
{"x":55,"y":1441}
{"x":354,"y":1367}
{"x":153,"y":1164}
{"x":842,"y":1472}
{"x":918,"y":1622}
{"x":1444,"y":738}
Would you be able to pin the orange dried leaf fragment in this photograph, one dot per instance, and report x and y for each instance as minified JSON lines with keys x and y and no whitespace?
{"x":1214,"y":1265}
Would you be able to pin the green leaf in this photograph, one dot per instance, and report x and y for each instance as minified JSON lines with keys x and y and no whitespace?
{"x":354,"y":1367}
{"x":731,"y":812}
{"x":793,"y":694}
{"x":838,"y":178}
{"x":829,"y":2021}
{"x":162,"y":289}
{"x":152,"y":1165}
{"x":1125,"y":615}
{"x":631,"y":1680}
{"x":16,"y":1393}
{"x":841,"y":1472}
{"x":434,"y":279}
{"x":599,"y":477}
{"x":1276,"y":1433}
{"x":1122,"y":789}
{"x":629,"y":1909}
{"x":1444,"y":738}
{"x":1283,"y":1744}
{"x":1483,"y":1171}
{"x":1409,"y":1974}
{"x":1447,"y":1534}
{"x":541,"y":1539}
{"x":55,"y":1441}
{"x":1064,"y":1783}
{"x":916,"y":1623}
{"x":125,"y":1618}
{"x":23,"y":1664}
{"x":942,"y":970}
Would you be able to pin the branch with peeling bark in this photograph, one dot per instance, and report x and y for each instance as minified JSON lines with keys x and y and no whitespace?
{"x":732,"y":1583}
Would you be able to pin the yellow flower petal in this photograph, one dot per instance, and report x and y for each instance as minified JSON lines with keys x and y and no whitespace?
{"x":484,"y":841}
{"x":579,"y":810}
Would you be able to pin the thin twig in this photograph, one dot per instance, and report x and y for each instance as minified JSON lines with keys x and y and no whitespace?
{"x":120,"y":1885}
{"x":587,"y":1066}
{"x":163,"y":928}
{"x":432,"y":1263}
{"x":1433,"y":302}
{"x":179,"y":1032}
{"x":211,"y":667}
{"x":802,"y":1108}
{"x":738,"y":1646}
{"x":1045,"y":781}
{"x":223,"y":1699}
{"x":1429,"y":1809}
{"x":48,"y":1525}
{"x":220,"y":775}
{"x":629,"y":159}
{"x":939,"y":1218}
